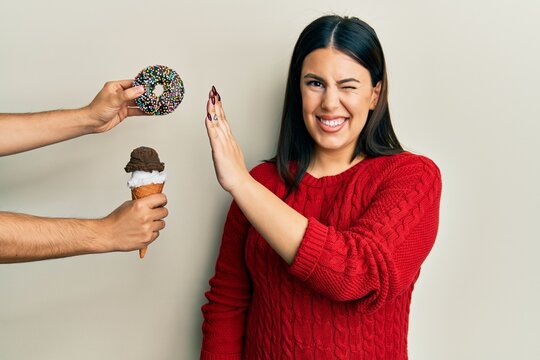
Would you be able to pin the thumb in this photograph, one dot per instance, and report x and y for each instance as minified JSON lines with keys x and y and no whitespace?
{"x":154,"y":200}
{"x":132,"y":93}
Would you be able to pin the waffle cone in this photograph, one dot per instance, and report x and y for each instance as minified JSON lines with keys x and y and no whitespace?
{"x":143,"y":191}
{"x":146,"y":190}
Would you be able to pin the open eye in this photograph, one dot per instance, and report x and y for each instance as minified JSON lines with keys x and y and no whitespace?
{"x":315,"y":83}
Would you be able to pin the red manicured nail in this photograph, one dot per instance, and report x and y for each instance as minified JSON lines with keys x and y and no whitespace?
{"x":208,"y":116}
{"x":213,"y":100}
{"x":216,"y":93}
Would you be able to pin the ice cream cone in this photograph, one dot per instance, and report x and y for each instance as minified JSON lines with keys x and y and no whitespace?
{"x":147,"y":176}
{"x":146,"y":190}
{"x":143,"y":191}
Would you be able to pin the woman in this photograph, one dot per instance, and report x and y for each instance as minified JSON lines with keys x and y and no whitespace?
{"x":323,"y":244}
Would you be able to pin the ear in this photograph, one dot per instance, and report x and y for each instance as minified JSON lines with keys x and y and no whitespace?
{"x":375,"y":96}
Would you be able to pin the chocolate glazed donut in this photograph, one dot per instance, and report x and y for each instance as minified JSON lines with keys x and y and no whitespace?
{"x":173,"y":90}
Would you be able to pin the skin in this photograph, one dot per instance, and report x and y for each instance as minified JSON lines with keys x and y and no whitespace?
{"x":133,"y":225}
{"x":328,"y":92}
{"x":335,"y":87}
{"x":114,"y":103}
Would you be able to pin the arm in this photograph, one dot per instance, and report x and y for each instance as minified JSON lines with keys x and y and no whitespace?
{"x":374,"y":260}
{"x":279,"y":224}
{"x":229,"y":295}
{"x":21,"y":132}
{"x":131,"y":226}
{"x":380,"y":255}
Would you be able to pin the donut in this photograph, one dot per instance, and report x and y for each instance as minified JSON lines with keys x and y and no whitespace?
{"x":173,"y":90}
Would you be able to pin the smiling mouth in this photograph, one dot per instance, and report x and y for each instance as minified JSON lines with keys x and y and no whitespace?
{"x":332,"y":123}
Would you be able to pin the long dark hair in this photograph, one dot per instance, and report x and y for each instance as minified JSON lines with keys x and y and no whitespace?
{"x":358,"y":40}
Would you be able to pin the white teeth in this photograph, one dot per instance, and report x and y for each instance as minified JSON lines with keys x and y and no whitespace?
{"x":332,"y":123}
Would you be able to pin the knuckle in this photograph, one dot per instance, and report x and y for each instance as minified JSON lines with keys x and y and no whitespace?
{"x":138,"y":205}
{"x":147,"y":228}
{"x":147,"y":220}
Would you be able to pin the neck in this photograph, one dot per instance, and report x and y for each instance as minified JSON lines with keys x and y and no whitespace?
{"x":328,"y":164}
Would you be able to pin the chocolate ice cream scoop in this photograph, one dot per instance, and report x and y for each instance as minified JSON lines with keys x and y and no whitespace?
{"x":144,"y":159}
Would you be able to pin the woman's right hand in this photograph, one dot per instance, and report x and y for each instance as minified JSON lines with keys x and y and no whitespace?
{"x":228,"y":159}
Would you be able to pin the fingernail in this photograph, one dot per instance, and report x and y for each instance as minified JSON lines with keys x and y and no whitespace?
{"x":213,"y":100}
{"x":216,"y":93}
{"x":208,"y":116}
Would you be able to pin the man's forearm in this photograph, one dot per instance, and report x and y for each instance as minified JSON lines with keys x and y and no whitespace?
{"x":29,"y":238}
{"x":21,"y":132}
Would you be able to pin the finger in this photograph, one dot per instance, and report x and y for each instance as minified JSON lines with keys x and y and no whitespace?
{"x":209,"y":111}
{"x":209,"y":119}
{"x":221,"y":118}
{"x":213,"y":100}
{"x":132,"y":93}
{"x":216,"y":135}
{"x":219,"y":105}
{"x":209,"y":107}
{"x":133,"y":111}
{"x":158,"y":225}
{"x":154,"y":236}
{"x":125,"y":84}
{"x":159,"y":213}
{"x":212,"y":111}
{"x":216,"y":93}
{"x":154,"y":201}
{"x":210,"y":131}
{"x":214,"y":122}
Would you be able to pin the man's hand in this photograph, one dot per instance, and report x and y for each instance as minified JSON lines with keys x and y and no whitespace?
{"x":134,"y":224}
{"x":131,"y":226}
{"x":113,"y":104}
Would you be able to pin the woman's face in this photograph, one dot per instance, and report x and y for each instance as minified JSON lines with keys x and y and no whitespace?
{"x":336,"y":98}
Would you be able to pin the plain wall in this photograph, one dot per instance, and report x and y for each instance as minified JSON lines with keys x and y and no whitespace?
{"x":463,"y":90}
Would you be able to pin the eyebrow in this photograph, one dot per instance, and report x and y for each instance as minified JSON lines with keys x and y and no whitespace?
{"x":318,"y":78}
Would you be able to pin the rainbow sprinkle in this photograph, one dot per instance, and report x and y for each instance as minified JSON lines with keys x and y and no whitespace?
{"x":173,"y":90}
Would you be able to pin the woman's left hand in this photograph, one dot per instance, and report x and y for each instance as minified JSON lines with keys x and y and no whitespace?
{"x":228,"y":159}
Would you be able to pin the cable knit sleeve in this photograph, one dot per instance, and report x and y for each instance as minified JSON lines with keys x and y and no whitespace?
{"x":229,"y":295}
{"x":379,"y":256}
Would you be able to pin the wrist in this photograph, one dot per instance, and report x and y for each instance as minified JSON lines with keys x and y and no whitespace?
{"x":86,"y":119}
{"x":244,"y":184}
{"x":99,"y":236}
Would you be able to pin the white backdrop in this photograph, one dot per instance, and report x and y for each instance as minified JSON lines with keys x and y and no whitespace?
{"x":463,"y":90}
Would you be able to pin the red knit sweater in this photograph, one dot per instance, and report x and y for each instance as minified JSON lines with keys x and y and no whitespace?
{"x":347,"y":293}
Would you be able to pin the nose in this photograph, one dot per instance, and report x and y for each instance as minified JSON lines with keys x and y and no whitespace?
{"x":330,"y":100}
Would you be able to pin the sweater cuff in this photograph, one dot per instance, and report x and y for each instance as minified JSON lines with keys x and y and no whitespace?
{"x":310,"y":250}
{"x":205,"y":355}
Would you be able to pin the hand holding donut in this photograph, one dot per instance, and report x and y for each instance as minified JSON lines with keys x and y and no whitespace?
{"x":113,"y":104}
{"x":228,"y":159}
